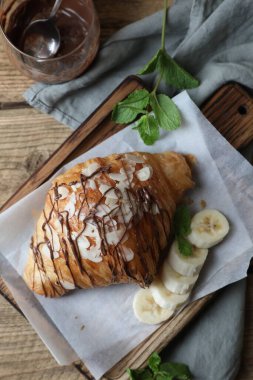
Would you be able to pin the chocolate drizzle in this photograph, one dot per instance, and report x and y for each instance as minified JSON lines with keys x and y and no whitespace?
{"x":141,"y":204}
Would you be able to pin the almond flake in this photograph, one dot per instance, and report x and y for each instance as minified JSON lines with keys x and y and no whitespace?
{"x":102,"y":210}
{"x":91,"y":169}
{"x":119,"y":177}
{"x":76,"y":186}
{"x":145,"y":173}
{"x":67,"y":285}
{"x":70,"y":208}
{"x":83,"y":243}
{"x":92,"y":254}
{"x":56,"y":255}
{"x":114,"y":237}
{"x":155,"y":209}
{"x":92,"y":184}
{"x":127,"y":253}
{"x":45,"y":251}
{"x":53,"y":238}
{"x":136,"y":159}
{"x":63,"y":192}
{"x":103,"y":188}
{"x":111,"y":203}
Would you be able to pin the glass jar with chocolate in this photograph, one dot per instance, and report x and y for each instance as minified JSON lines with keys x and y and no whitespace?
{"x":79,"y":30}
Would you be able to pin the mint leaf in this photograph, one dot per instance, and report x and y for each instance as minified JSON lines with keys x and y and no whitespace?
{"x":178,"y":371}
{"x":150,"y":67}
{"x":182,"y":221}
{"x":148,"y":129}
{"x":164,"y":376}
{"x":126,"y":111}
{"x":184,"y":246}
{"x":140,"y":374}
{"x":182,"y":227}
{"x":154,"y":362}
{"x":166,"y":112}
{"x":158,"y":371}
{"x":174,"y":74}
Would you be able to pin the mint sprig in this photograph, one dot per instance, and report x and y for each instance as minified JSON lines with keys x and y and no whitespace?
{"x":182,"y":228}
{"x":157,"y":370}
{"x":140,"y":102}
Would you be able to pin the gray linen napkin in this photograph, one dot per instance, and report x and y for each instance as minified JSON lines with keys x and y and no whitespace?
{"x":213,"y":40}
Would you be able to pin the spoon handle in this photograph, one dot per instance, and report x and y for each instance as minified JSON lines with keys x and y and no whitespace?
{"x":56,"y":6}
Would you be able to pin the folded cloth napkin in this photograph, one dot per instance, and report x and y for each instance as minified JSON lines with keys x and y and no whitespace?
{"x":213,"y":40}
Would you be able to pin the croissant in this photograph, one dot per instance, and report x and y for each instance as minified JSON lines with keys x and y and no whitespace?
{"x":106,"y":221}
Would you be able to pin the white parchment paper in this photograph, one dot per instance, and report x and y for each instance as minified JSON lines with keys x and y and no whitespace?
{"x":98,"y":325}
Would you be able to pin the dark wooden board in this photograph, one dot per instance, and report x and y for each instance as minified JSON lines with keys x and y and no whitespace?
{"x":230,"y":110}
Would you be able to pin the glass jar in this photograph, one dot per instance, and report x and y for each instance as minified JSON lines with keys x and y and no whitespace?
{"x":79,"y":28}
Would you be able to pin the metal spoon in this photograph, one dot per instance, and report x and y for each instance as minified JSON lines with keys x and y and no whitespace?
{"x":41,"y":38}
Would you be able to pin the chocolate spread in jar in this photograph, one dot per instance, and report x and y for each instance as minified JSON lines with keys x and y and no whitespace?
{"x":72,"y":27}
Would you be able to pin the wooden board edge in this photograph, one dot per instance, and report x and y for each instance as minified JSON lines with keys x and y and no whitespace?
{"x":138,"y":357}
{"x":116,"y":373}
{"x":128,"y":85}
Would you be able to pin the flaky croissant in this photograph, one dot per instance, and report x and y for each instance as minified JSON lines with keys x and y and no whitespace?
{"x":106,"y":221}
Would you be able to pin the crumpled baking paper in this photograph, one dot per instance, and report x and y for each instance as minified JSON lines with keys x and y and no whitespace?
{"x":98,"y":325}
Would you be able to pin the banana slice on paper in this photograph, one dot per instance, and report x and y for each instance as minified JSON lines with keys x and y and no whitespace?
{"x":209,"y":227}
{"x":186,"y":265}
{"x":175,"y":282}
{"x":166,"y":299}
{"x":147,"y":311}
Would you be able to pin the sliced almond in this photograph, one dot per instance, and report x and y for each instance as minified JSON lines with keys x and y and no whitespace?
{"x":83,"y":243}
{"x":53,"y":238}
{"x":155,"y":209}
{"x":70,"y":208}
{"x":91,"y":169}
{"x":119,"y":177}
{"x":76,"y":186}
{"x":104,"y":188}
{"x":45,"y":251}
{"x":67,"y":285}
{"x":114,"y":237}
{"x":92,"y":254}
{"x":145,"y":173}
{"x":102,"y":210}
{"x":92,"y":184}
{"x":63,"y":192}
{"x":128,"y":254}
{"x":134,"y":158}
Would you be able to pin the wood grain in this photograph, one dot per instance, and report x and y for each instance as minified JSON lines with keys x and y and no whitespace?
{"x":168,"y":331}
{"x":22,"y":354}
{"x":27,"y":140}
{"x":76,"y":141}
{"x":117,"y":14}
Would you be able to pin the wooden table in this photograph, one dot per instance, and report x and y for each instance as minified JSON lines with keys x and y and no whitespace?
{"x":27,"y":138}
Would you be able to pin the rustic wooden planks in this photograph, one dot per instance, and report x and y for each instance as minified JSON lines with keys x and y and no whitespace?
{"x":87,"y":136}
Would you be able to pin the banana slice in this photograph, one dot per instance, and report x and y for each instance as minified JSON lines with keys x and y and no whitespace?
{"x":175,"y":282}
{"x":147,"y":311}
{"x":166,"y":299}
{"x":209,"y":227}
{"x":186,"y":265}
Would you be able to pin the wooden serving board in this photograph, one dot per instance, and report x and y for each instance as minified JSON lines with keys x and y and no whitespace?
{"x":230,"y":110}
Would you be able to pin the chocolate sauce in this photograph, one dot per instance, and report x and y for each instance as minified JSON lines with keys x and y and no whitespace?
{"x":141,"y":200}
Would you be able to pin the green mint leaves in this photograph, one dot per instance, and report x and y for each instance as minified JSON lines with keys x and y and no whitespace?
{"x":126,"y":111}
{"x":165,"y":111}
{"x":166,"y":114}
{"x":141,"y":102}
{"x":171,"y":72}
{"x":157,"y":370}
{"x":148,"y":129}
{"x":182,"y":227}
